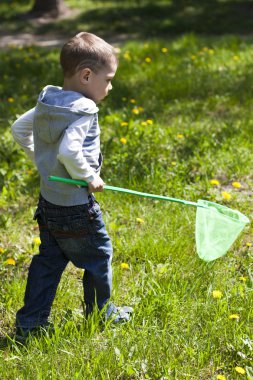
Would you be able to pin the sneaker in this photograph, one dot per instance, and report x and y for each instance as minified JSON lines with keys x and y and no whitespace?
{"x":118,"y":314}
{"x":22,"y":333}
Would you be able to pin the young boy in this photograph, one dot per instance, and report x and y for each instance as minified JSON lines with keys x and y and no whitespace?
{"x":61,"y":134}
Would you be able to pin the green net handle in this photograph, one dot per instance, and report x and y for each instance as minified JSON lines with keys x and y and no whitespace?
{"x":127,"y":191}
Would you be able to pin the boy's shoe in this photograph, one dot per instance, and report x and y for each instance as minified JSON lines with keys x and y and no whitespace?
{"x":118,"y":314}
{"x":22,"y":334}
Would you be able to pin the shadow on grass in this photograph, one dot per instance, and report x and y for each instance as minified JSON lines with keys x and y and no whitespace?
{"x":144,"y":19}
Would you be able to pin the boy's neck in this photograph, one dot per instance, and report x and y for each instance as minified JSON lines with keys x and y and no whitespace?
{"x":70,"y":85}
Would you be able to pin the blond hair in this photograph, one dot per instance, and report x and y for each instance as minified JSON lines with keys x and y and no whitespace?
{"x":86,"y":50}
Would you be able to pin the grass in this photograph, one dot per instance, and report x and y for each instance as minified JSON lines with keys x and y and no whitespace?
{"x":176,"y":119}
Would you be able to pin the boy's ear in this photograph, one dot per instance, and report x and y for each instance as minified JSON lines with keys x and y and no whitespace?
{"x":84,"y":75}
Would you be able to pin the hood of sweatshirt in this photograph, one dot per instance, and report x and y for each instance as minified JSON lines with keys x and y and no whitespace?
{"x":56,"y":109}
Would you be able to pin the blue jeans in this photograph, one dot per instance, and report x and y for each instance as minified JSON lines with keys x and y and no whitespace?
{"x":75,"y":234}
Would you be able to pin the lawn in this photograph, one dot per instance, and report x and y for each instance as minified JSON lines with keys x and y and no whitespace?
{"x":178,"y":122}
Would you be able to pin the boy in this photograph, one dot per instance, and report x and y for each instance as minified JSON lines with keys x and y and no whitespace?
{"x":61,"y":134}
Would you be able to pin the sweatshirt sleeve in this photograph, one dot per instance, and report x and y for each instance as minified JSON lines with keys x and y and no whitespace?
{"x":22,"y":131}
{"x":70,"y":150}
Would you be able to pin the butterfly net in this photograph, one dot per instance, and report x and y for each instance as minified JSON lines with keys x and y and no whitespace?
{"x":217,"y":227}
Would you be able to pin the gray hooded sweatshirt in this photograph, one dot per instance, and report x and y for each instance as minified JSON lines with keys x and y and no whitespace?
{"x":66,"y":140}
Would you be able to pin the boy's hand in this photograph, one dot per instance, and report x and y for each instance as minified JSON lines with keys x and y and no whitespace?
{"x":97,"y":185}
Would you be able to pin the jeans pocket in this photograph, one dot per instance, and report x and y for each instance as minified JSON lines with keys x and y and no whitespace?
{"x":96,"y":222}
{"x":68,"y":226}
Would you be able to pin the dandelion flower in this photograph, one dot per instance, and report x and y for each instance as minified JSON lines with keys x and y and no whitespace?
{"x":248,"y":244}
{"x":240,"y":370}
{"x":180,"y":136}
{"x":10,"y":100}
{"x":123,"y":140}
{"x":148,"y":59}
{"x":236,"y":58}
{"x":133,"y":101}
{"x":226,"y":195}
{"x":139,"y":220}
{"x":211,"y":51}
{"x":164,"y":50}
{"x":217,"y":294}
{"x":127,"y":56}
{"x":237,"y":185}
{"x":234,"y":316}
{"x":149,"y":121}
{"x":10,"y":262}
{"x":243,"y":279}
{"x":124,"y":266}
{"x":193,"y":57}
{"x":173,"y":163}
{"x":1,"y":250}
{"x":214,"y":182}
{"x":144,"y":123}
{"x":220,"y":377}
{"x":124,"y":124}
{"x":135,"y":111}
{"x":36,"y":241}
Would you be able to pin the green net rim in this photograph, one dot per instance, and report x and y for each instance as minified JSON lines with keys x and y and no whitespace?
{"x":217,"y":207}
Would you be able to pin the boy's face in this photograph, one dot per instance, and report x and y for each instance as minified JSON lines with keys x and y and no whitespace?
{"x":98,"y":85}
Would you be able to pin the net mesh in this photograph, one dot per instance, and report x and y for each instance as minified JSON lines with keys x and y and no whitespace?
{"x":217,"y":227}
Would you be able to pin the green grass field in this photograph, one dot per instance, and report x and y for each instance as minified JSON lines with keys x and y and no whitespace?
{"x":179,"y":123}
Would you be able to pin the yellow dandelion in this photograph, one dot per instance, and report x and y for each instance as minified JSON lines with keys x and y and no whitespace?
{"x":36,"y":241}
{"x":10,"y":100}
{"x":164,"y":50}
{"x":133,"y":101}
{"x":135,"y":111}
{"x":221,"y":377}
{"x":148,"y":59}
{"x":240,"y":370}
{"x":10,"y":262}
{"x":123,"y":140}
{"x":1,"y":250}
{"x":214,"y":182}
{"x":149,"y":121}
{"x":193,"y":57}
{"x":217,"y":294}
{"x":180,"y":136}
{"x":237,"y":185}
{"x":173,"y":163}
{"x":226,"y":195}
{"x":124,"y":124}
{"x":243,"y":279}
{"x":234,"y":316}
{"x":124,"y":266}
{"x":211,"y":51}
{"x":236,"y":58}
{"x":127,"y":56}
{"x":249,"y":244}
{"x":144,"y":123}
{"x":139,"y":220}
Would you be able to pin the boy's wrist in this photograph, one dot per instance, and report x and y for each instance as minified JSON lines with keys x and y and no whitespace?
{"x":91,"y":178}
